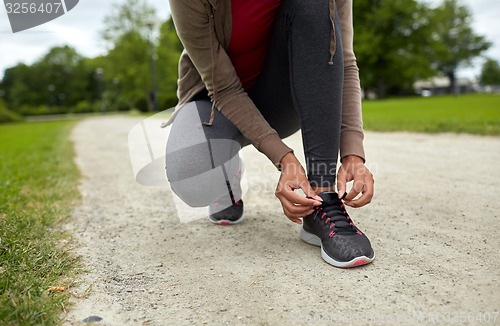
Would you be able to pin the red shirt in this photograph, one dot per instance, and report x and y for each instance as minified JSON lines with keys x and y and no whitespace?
{"x":250,"y":36}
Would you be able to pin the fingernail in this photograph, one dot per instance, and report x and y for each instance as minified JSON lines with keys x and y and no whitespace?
{"x":317,"y":203}
{"x":318,"y":198}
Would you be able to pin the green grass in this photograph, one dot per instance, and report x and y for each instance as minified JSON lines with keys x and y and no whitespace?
{"x":474,"y":114}
{"x":38,"y":184}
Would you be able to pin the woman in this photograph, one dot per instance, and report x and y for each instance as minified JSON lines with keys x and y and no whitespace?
{"x":256,"y":71}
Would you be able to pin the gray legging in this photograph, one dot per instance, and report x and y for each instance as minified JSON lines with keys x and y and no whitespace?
{"x":298,"y":88}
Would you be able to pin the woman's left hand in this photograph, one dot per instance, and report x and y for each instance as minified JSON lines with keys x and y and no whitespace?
{"x":354,"y":169}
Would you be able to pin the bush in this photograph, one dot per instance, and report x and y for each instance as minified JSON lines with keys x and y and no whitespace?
{"x":8,"y":116}
{"x":167,"y":101}
{"x":39,"y":110}
{"x":85,"y":107}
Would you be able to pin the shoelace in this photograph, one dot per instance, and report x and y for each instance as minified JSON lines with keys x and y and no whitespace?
{"x":236,"y":182}
{"x":336,"y":217}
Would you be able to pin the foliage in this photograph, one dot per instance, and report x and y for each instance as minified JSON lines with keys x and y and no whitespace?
{"x":38,"y":183}
{"x":127,"y":71}
{"x":456,"y":43}
{"x":6,"y":115}
{"x":391,"y":44}
{"x":169,"y":51}
{"x":134,"y":79}
{"x":133,"y":16}
{"x":127,"y":31}
{"x":64,"y":81}
{"x":400,"y":41}
{"x":490,"y":73}
{"x":57,"y":81}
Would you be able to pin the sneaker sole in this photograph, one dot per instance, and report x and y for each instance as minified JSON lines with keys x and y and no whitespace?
{"x":227,"y":222}
{"x":314,"y":240}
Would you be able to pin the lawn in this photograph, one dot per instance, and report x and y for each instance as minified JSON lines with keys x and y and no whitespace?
{"x":38,"y":185}
{"x":474,"y":113}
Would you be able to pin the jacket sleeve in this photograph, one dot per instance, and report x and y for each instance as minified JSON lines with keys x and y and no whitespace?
{"x":194,"y":24}
{"x":351,"y":138}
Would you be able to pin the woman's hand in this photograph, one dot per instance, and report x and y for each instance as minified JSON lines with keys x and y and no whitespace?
{"x":353,"y":169}
{"x":294,"y":177}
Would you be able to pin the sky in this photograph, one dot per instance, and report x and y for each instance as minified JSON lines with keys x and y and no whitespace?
{"x":81,"y":27}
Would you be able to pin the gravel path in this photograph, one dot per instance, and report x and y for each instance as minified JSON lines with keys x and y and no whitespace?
{"x":434,"y":224}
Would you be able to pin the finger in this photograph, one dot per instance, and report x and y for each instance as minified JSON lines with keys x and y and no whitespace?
{"x":294,"y":198}
{"x":293,"y":211}
{"x":341,"y":182}
{"x":297,"y":210}
{"x":292,"y":217}
{"x":308,"y":190}
{"x":364,"y":199}
{"x":367,"y":195}
{"x":357,"y":187}
{"x":352,"y":194}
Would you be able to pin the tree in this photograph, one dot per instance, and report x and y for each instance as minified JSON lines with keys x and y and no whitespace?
{"x":457,"y":44}
{"x":133,"y":16}
{"x":64,"y":76}
{"x":169,"y":51}
{"x":128,"y":60}
{"x":20,"y":88}
{"x":391,"y":44}
{"x":56,"y":82}
{"x":490,"y":73}
{"x":63,"y":81}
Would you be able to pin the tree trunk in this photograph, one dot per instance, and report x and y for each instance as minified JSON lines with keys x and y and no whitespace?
{"x":149,"y":101}
{"x":451,"y":77}
{"x":381,"y":88}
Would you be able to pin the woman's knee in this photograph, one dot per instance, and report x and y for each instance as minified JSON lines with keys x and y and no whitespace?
{"x":202,"y":189}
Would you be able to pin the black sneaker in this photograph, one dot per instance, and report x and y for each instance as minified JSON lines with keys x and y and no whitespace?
{"x":329,"y":226}
{"x":232,"y":214}
{"x":228,"y":210}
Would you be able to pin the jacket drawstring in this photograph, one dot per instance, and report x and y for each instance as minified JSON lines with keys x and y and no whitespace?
{"x":333,"y":46}
{"x":212,"y":29}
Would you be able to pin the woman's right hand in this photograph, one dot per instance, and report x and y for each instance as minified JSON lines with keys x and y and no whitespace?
{"x":293,"y":176}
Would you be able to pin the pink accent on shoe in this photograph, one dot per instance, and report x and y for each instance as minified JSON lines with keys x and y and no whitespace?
{"x":331,"y":226}
{"x":358,"y":232}
{"x":216,"y":204}
{"x":331,"y":234}
{"x":225,"y":223}
{"x":324,"y":214}
{"x":237,"y":203}
{"x":327,"y":220}
{"x":359,"y":262}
